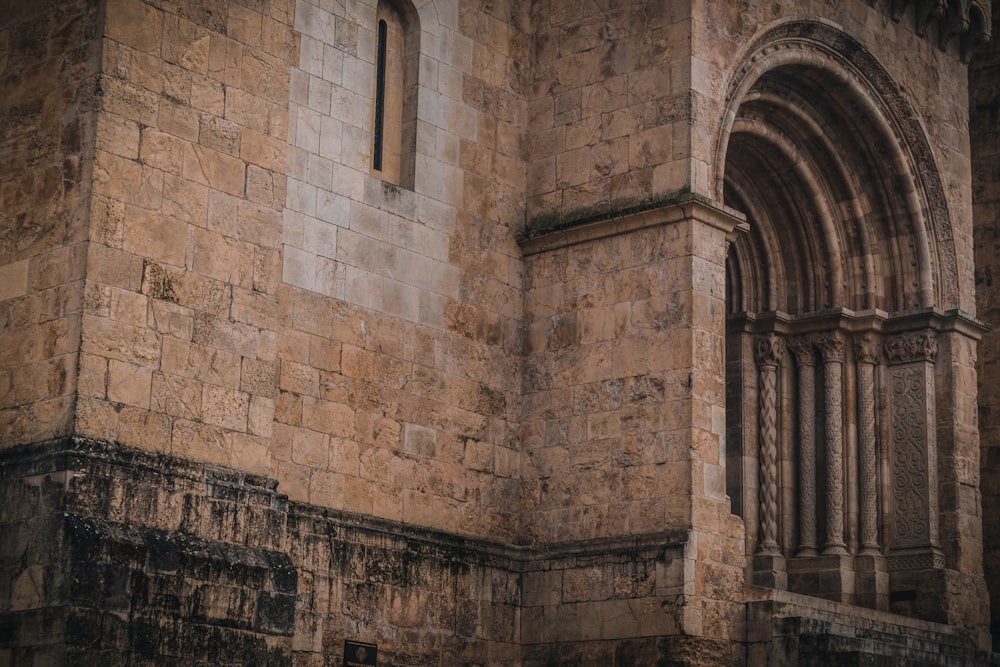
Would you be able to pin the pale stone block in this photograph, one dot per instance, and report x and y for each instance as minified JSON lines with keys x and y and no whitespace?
{"x":363,"y":288}
{"x":118,"y":135}
{"x":320,"y":93}
{"x":149,"y":430}
{"x":176,"y":396}
{"x":92,"y":380}
{"x":201,"y":362}
{"x":128,"y":181}
{"x":13,"y":280}
{"x":220,"y":257}
{"x":358,"y":495}
{"x":419,"y":440}
{"x":299,"y":268}
{"x":225,"y":407}
{"x":129,"y":383}
{"x":319,"y":172}
{"x":153,"y":235}
{"x":251,"y":453}
{"x":401,"y":300}
{"x":335,"y":419}
{"x":333,"y":64}
{"x":214,"y":169}
{"x":135,"y":24}
{"x":301,"y":197}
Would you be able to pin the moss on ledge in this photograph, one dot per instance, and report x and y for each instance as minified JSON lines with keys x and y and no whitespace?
{"x":554,"y":222}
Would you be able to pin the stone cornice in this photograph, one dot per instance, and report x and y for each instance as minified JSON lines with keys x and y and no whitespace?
{"x":849,"y":321}
{"x":970,"y":21}
{"x":687,"y":207}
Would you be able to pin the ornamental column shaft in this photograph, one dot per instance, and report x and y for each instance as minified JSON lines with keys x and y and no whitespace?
{"x":769,"y":350}
{"x":867,"y":357}
{"x":832,"y":348}
{"x":803,"y":350}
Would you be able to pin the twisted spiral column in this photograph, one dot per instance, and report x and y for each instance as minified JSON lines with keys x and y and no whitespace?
{"x":769,"y":351}
{"x":867,"y":356}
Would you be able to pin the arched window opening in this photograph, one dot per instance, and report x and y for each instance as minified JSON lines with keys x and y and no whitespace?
{"x":394,"y":108}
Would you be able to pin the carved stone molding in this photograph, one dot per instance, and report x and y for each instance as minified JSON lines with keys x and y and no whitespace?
{"x":912,"y":346}
{"x":832,"y":346}
{"x":866,"y":348}
{"x":769,"y":350}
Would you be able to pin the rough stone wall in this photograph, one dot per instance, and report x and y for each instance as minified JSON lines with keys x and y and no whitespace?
{"x":180,"y":311}
{"x":49,"y":61}
{"x":609,"y":107}
{"x":398,"y":393}
{"x":984,"y":128}
{"x":117,"y":555}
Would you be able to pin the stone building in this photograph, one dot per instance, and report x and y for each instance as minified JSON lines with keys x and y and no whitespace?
{"x":499,"y":332}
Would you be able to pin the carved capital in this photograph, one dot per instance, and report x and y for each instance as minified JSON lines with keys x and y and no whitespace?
{"x":803,"y":349}
{"x":831,"y":346}
{"x":770,"y":348}
{"x":866,"y":348}
{"x":913,"y":346}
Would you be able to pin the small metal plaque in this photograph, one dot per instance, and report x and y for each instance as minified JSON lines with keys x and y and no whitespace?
{"x":359,"y":654}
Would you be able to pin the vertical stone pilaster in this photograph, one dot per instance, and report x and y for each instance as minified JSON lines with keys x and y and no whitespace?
{"x":914,"y":534}
{"x":832,"y":348}
{"x":804,"y":353}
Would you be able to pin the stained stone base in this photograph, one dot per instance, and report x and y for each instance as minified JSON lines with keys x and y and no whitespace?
{"x":115,"y":556}
{"x":830,"y":577}
{"x":769,"y":571}
{"x":785,"y":628}
{"x":918,"y":584}
{"x":872,"y":578}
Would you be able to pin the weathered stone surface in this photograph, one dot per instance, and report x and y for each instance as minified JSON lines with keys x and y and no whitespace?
{"x":507,"y":378}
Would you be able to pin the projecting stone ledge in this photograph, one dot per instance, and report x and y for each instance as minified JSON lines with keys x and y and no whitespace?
{"x":549,"y":233}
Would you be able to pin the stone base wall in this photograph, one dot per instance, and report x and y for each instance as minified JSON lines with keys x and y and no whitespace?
{"x":113,"y":556}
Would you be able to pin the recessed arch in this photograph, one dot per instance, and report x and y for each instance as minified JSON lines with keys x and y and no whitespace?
{"x":848,"y":239}
{"x":839,"y":102}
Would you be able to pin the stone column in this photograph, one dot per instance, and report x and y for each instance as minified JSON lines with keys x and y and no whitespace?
{"x":769,"y":569}
{"x":804,"y":353}
{"x":872,"y":578}
{"x":832,"y":348}
{"x":866,"y":350}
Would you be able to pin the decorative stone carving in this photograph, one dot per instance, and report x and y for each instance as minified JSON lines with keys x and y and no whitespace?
{"x":769,"y":349}
{"x":910,"y":347}
{"x":832,"y":347}
{"x":914,"y":446}
{"x":805,"y":356}
{"x":866,"y":352}
{"x":912,"y":472}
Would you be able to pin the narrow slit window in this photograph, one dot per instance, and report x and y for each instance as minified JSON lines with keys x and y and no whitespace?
{"x":383,"y":30}
{"x":394,"y":98}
